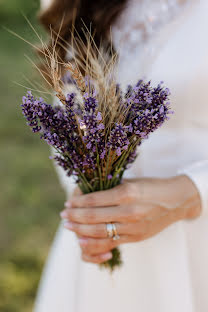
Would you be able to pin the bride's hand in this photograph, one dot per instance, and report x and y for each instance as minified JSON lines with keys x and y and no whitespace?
{"x":140,"y":208}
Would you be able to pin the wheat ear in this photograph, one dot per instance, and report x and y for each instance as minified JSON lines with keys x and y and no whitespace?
{"x":77,"y":76}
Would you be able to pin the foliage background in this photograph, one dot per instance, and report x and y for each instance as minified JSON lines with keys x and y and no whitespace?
{"x":30,"y":197}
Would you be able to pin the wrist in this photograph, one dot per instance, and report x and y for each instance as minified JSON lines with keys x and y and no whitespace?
{"x":189,"y":202}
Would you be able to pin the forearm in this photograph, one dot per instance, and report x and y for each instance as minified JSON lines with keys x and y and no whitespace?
{"x":187,"y":192}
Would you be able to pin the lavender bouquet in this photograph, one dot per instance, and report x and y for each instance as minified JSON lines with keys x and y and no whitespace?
{"x":97,"y":128}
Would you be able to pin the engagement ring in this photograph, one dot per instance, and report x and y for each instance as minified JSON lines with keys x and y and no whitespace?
{"x":112,"y":231}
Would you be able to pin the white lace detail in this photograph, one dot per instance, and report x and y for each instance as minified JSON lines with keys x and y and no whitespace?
{"x":140,"y":22}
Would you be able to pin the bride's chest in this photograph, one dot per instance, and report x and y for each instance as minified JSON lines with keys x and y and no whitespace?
{"x":173,"y":49}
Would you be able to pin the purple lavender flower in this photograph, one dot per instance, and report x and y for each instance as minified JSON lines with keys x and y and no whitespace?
{"x":57,"y":127}
{"x":103,"y":153}
{"x":78,"y":133}
{"x":149,"y":108}
{"x":92,"y":125}
{"x":131,"y":158}
{"x":118,"y":139}
{"x":61,"y":161}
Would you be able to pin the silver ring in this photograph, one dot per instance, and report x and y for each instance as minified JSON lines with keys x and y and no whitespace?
{"x":115,"y":233}
{"x":109,"y":229}
{"x":112,"y":231}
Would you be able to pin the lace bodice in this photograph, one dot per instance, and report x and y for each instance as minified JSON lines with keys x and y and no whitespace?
{"x":135,"y":31}
{"x":145,"y":17}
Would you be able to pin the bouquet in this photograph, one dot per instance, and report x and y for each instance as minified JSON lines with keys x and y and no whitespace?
{"x":96,"y":129}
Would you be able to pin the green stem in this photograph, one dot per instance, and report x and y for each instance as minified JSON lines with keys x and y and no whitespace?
{"x":107,"y":164}
{"x":99,"y":169}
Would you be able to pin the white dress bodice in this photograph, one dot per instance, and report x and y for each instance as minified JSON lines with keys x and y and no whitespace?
{"x":138,"y":34}
{"x":169,"y":271}
{"x":164,"y":40}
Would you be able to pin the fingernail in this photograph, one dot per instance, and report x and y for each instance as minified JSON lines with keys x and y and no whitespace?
{"x":107,"y":256}
{"x":67,"y":204}
{"x":68,"y":225}
{"x":63,"y":214}
{"x":83,"y":241}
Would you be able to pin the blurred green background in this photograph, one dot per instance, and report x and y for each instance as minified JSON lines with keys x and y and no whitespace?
{"x":30,"y":196}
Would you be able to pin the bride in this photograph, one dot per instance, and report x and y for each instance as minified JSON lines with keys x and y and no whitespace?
{"x":161,"y":210}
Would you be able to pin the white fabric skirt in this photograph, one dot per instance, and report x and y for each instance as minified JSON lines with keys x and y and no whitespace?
{"x":157,"y":275}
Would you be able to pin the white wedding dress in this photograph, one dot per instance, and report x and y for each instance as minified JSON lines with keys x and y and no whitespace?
{"x":159,"y":40}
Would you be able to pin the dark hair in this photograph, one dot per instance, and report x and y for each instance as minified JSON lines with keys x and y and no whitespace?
{"x":96,"y":15}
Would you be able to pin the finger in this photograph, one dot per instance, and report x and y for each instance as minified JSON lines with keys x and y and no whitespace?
{"x":123,"y":214}
{"x":99,"y":215}
{"x":94,"y":246}
{"x":77,"y":191}
{"x":98,"y":230}
{"x":110,"y":197}
{"x":98,"y":258}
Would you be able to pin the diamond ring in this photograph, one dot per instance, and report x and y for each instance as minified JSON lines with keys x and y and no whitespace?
{"x":112,"y":231}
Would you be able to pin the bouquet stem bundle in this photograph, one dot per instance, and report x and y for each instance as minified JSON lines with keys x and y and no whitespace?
{"x":96,"y":129}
